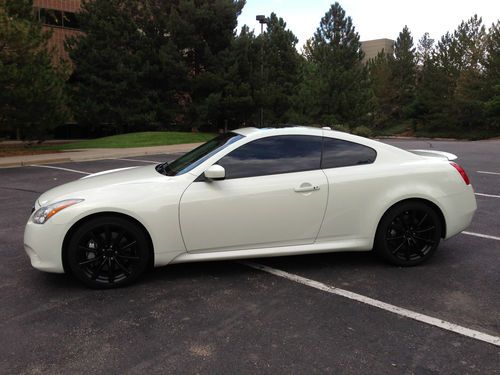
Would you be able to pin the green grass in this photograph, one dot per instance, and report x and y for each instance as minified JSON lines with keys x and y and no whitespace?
{"x":396,"y":129}
{"x":142,"y":139}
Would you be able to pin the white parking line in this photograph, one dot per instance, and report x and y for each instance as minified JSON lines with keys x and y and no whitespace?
{"x":62,"y":169}
{"x":485,"y":172}
{"x":140,"y":161}
{"x":487,"y":195}
{"x":495,"y":340}
{"x":481,"y":235}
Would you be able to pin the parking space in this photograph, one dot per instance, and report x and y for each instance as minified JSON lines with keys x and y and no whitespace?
{"x":226,"y":317}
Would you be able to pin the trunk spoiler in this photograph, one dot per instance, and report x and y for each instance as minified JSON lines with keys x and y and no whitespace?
{"x":435,"y":154}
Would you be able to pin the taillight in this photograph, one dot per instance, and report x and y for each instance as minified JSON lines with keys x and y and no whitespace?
{"x":462,"y":172}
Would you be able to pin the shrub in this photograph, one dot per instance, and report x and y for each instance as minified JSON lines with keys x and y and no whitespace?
{"x":341,"y":128}
{"x":362,"y":131}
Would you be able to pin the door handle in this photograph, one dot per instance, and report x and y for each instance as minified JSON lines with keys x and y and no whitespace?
{"x":304,"y":188}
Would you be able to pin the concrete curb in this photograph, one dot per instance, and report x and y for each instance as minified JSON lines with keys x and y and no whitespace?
{"x":91,"y":154}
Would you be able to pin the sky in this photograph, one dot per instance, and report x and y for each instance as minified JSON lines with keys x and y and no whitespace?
{"x":374,"y":19}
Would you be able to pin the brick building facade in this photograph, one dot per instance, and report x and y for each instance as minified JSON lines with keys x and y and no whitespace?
{"x":59,"y":17}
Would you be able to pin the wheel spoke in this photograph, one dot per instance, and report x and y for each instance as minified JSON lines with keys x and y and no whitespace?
{"x":426,"y":240}
{"x":128,"y":245}
{"x":422,"y":220}
{"x":425,"y":230}
{"x":394,"y":238}
{"x":95,"y":274}
{"x":87,"y":249}
{"x":90,"y":261}
{"x":399,"y":247}
{"x":122,"y":267}
{"x":128,"y":257}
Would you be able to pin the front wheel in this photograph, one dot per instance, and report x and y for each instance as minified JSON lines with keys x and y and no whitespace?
{"x":408,"y":234}
{"x":108,"y":252}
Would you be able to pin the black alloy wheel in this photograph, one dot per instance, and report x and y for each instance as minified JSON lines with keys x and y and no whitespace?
{"x":409,"y":233}
{"x":108,"y":252}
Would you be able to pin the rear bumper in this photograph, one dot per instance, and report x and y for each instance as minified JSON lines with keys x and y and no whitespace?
{"x":458,"y":210}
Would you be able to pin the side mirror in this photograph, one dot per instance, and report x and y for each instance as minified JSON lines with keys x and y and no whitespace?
{"x":215,"y":172}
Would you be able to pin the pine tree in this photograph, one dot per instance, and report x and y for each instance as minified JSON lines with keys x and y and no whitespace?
{"x":451,"y":90}
{"x":233,"y":105}
{"x":32,"y":97}
{"x":468,"y":51}
{"x":424,"y":49}
{"x":492,"y":78}
{"x":404,"y":72}
{"x":203,"y":30}
{"x":384,"y":90}
{"x":306,"y":106}
{"x":336,"y":50}
{"x":128,"y":70}
{"x":281,"y":71}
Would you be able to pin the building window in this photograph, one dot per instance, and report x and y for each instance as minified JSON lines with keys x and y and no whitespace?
{"x":51,"y":17}
{"x":70,"y":20}
{"x":57,"y":18}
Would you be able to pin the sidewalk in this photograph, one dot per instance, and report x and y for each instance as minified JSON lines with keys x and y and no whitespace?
{"x":92,"y":154}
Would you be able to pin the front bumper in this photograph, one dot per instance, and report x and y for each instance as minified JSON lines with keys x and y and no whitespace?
{"x":43,"y":244}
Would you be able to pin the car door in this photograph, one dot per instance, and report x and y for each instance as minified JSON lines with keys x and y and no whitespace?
{"x":355,"y":189}
{"x":274,"y":194}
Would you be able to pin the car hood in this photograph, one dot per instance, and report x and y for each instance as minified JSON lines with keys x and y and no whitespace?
{"x":112,"y":179}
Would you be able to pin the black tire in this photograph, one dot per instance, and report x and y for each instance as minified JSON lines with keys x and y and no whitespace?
{"x":408,"y":234}
{"x":108,"y":252}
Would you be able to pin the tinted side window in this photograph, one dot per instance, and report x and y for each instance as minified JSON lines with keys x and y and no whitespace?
{"x":339,"y":153}
{"x":273,"y":155}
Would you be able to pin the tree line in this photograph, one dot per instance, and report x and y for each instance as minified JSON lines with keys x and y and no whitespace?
{"x":181,"y":64}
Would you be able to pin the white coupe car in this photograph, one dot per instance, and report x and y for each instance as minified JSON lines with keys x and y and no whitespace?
{"x":252,"y":193}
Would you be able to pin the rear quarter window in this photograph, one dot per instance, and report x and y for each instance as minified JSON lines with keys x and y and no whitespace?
{"x":339,"y":153}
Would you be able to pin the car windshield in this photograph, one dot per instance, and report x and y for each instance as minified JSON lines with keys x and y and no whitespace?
{"x":192,"y":159}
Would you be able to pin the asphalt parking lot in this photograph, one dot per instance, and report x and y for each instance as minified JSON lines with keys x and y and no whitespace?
{"x":227,"y":317}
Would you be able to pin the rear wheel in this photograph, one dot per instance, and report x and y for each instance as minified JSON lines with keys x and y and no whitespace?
{"x":408,"y":234}
{"x":108,"y":252}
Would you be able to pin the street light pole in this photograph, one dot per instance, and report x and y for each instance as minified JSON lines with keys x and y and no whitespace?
{"x":263,"y":20}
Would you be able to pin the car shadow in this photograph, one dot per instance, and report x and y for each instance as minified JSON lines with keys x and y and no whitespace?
{"x":302,"y":264}
{"x":234,"y":268}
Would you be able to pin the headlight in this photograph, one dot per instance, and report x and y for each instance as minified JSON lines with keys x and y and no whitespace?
{"x":45,"y":213}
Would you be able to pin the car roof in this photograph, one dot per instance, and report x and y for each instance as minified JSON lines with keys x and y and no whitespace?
{"x":306,"y":130}
{"x":398,"y":153}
